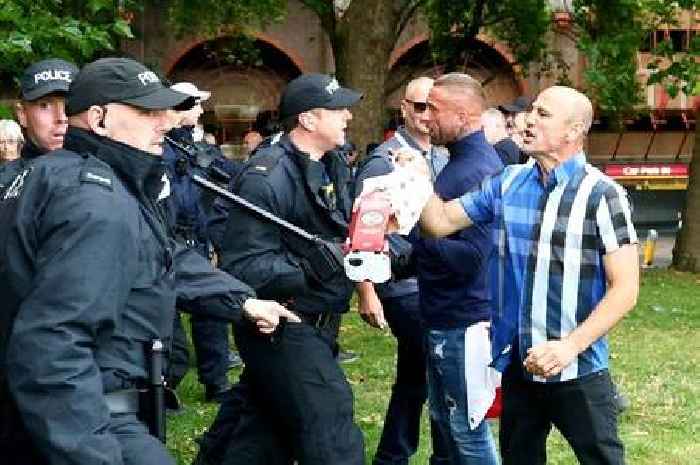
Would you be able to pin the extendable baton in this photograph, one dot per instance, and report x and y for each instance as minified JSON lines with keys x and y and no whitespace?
{"x":156,"y":374}
{"x":254,"y":208}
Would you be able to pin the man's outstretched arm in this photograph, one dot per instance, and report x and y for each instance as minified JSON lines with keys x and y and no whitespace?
{"x":440,"y":218}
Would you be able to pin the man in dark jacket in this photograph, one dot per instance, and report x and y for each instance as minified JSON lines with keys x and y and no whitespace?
{"x":293,"y":401}
{"x":188,"y":217}
{"x":453,"y":277}
{"x":89,"y":279}
{"x":398,"y":299}
{"x":497,"y":135}
{"x":41,"y":113}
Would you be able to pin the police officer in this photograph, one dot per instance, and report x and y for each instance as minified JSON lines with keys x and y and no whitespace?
{"x":41,"y":113}
{"x":188,"y":217}
{"x":293,"y":401}
{"x":89,"y":279}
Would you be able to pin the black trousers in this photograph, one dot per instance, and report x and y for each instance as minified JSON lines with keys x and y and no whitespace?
{"x":138,"y":447}
{"x":211,"y":349}
{"x":292,"y":403}
{"x":583,"y":410}
{"x":399,"y":440}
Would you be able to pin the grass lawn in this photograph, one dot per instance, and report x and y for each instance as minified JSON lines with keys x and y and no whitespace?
{"x":655,"y":361}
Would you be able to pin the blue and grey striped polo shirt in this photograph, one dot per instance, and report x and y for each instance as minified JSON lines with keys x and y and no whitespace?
{"x":551,"y":238}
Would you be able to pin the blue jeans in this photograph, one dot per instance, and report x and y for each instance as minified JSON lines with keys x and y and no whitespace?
{"x":447,"y":392}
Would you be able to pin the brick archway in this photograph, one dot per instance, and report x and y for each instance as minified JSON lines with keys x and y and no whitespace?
{"x":500,"y":47}
{"x":183,"y":47}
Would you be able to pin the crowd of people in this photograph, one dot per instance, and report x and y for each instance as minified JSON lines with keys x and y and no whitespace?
{"x":523,"y":259}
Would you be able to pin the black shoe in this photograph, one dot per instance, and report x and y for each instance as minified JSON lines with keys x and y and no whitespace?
{"x":216,"y":392}
{"x":173,"y":404}
{"x":346,"y":356}
{"x":234,"y":360}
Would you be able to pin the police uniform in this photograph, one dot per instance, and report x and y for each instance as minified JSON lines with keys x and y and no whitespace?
{"x":45,"y":77}
{"x":293,"y":401}
{"x":88,"y":279}
{"x":188,"y":219}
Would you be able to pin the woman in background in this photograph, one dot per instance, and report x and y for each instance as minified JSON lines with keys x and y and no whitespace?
{"x":11,"y":140}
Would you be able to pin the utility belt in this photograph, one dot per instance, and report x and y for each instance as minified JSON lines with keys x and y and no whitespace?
{"x":124,"y":401}
{"x":318,"y":320}
{"x":147,"y":399}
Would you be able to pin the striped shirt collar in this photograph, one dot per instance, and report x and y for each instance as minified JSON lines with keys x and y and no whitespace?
{"x":564,"y":171}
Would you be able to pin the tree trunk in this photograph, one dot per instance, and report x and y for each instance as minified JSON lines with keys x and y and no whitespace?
{"x":362,"y":43}
{"x":686,"y":253}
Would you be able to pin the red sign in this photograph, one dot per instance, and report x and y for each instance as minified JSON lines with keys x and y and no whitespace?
{"x":622,"y":170}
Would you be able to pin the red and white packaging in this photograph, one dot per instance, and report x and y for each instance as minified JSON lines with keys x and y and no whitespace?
{"x":367,"y":251}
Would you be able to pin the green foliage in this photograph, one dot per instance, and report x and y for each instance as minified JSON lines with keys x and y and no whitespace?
{"x":522,"y":24}
{"x":6,"y":112}
{"x":71,"y":29}
{"x":237,"y":50}
{"x":209,"y":16}
{"x":610,"y":33}
{"x":678,"y":72}
{"x":236,"y":17}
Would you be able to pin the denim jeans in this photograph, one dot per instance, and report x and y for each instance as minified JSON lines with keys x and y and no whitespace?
{"x":447,"y":392}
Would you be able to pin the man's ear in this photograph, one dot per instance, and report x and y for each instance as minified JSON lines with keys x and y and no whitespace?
{"x":464,"y":119}
{"x":307,"y":121}
{"x":96,"y":117}
{"x":575,"y":132}
{"x":21,"y":114}
{"x":403,"y":109}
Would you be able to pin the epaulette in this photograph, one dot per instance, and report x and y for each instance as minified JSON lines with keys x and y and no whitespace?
{"x":265,"y":160}
{"x":96,"y":172}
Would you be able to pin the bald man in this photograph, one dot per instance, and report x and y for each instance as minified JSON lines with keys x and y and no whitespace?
{"x":568,"y":272}
{"x":397,"y":302}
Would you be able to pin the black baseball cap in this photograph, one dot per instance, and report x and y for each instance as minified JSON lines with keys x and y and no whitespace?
{"x":46,"y":77}
{"x":519,"y":105}
{"x":122,"y":80}
{"x":310,"y":91}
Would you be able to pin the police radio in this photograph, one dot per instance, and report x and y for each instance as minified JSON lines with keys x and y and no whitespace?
{"x":367,"y":251}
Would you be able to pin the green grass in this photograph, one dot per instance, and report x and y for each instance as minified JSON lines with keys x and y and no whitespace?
{"x":655,"y":361}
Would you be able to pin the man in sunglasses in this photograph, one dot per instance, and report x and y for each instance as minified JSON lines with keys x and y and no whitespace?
{"x":396,"y":302}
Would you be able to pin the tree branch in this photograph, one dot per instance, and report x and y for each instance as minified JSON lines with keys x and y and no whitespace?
{"x":407,"y":14}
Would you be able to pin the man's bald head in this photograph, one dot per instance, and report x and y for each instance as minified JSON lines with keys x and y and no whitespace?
{"x":414,"y":105}
{"x":558,"y":123}
{"x":417,"y":90}
{"x":578,"y":107}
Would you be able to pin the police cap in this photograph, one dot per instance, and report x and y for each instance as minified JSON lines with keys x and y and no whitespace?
{"x":46,"y":77}
{"x":122,"y":80}
{"x":310,"y":91}
{"x":518,"y":105}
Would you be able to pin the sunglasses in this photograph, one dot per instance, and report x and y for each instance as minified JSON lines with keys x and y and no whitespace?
{"x":418,"y":107}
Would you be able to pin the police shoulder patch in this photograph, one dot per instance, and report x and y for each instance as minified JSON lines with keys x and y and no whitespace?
{"x":96,"y":174}
{"x":265,"y":161}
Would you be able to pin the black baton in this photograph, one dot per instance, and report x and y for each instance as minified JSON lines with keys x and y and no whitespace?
{"x":158,"y":424}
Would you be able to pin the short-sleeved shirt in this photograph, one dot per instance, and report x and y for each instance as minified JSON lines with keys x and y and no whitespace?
{"x":551,"y":238}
